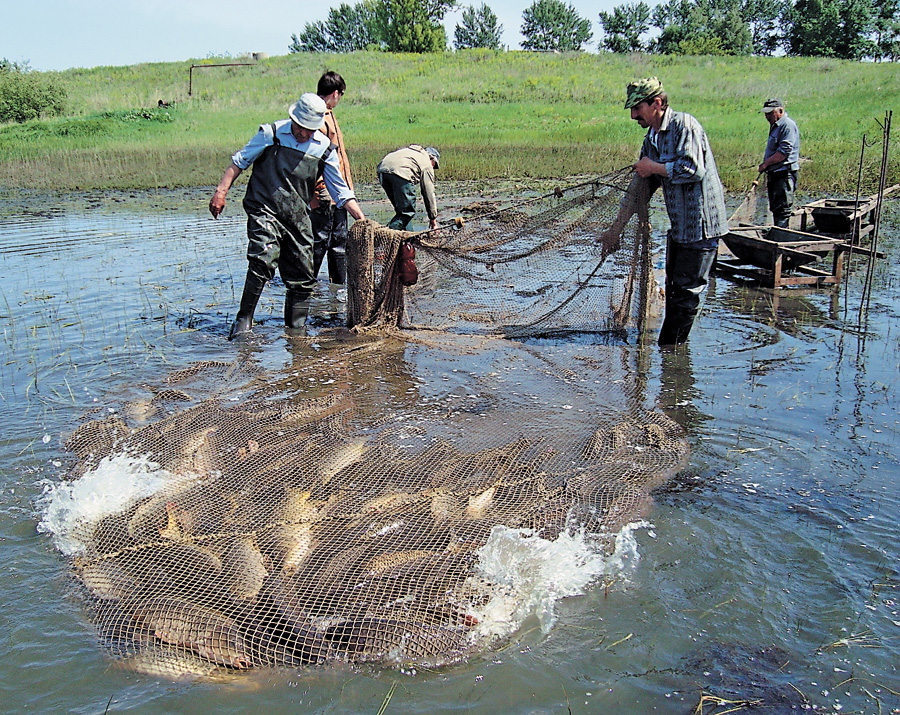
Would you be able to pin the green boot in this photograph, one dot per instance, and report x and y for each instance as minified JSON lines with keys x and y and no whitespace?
{"x":243,"y":321}
{"x":296,"y":309}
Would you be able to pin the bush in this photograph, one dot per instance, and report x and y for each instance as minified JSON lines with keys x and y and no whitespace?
{"x":27,"y":95}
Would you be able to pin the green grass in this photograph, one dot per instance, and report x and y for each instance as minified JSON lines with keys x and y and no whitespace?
{"x":492,"y":114}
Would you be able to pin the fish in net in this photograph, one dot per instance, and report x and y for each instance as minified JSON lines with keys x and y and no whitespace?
{"x":332,"y":511}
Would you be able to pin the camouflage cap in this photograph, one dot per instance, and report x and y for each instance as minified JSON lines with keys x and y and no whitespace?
{"x":770,"y":105}
{"x":641,"y":90}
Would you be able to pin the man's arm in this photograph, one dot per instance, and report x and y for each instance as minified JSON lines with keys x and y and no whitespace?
{"x":687,"y":145}
{"x":217,"y":202}
{"x":646,"y":168}
{"x":429,"y":198}
{"x":638,"y":192}
{"x":773,"y":159}
{"x":354,"y":209}
{"x":341,"y":194}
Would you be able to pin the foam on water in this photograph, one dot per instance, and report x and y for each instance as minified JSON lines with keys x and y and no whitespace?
{"x":69,"y":509}
{"x":531,"y":574}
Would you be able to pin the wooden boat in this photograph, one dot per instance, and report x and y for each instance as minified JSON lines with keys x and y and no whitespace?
{"x":762,"y":246}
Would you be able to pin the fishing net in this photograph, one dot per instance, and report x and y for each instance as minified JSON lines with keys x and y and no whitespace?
{"x":339,"y":508}
{"x":574,"y":260}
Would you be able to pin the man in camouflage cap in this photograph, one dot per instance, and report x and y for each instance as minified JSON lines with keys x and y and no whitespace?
{"x":641,"y":90}
{"x":676,"y":155}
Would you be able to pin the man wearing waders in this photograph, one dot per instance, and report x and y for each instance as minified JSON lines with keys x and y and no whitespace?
{"x":329,"y":222}
{"x":398,"y":174}
{"x":287,"y":157}
{"x":676,"y":155}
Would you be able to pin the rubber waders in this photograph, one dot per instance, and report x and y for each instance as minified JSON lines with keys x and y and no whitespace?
{"x":296,"y":309}
{"x":243,"y":321}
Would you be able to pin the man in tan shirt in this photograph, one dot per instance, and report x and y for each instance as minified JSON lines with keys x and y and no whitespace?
{"x":329,"y":222}
{"x":398,"y":174}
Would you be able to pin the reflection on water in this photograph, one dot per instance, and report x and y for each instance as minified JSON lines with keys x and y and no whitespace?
{"x":678,"y":393}
{"x":775,"y":576}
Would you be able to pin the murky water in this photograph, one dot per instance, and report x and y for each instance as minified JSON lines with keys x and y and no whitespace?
{"x":768,"y":569}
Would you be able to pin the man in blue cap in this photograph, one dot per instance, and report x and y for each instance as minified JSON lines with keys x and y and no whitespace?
{"x":781,"y":161}
{"x":287,"y":157}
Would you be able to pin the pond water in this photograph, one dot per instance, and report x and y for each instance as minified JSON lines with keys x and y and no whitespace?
{"x":766,"y":572}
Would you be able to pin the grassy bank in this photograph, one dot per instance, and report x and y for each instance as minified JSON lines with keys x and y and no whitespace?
{"x":509,"y":114}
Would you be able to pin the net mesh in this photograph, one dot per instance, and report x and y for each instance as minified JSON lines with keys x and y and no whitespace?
{"x":534,"y":267}
{"x":337,"y":509}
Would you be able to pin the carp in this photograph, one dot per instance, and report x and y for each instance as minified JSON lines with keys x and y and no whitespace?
{"x":340,"y":456}
{"x":289,"y":545}
{"x":161,"y":661}
{"x":378,"y":639}
{"x":243,"y":569}
{"x":105,"y":579}
{"x":207,"y":633}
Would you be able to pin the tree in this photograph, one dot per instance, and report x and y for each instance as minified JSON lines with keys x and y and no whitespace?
{"x":701,"y":27}
{"x":831,"y":28}
{"x":479,"y":28}
{"x":812,"y":24}
{"x":622,"y":29}
{"x":413,"y":25}
{"x":553,"y":25}
{"x":348,"y":28}
{"x":857,"y":22}
{"x":764,"y":18}
{"x":886,"y":30}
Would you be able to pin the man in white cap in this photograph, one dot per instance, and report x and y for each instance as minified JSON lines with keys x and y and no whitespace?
{"x":399,"y":173}
{"x":287,"y":157}
{"x":781,"y":161}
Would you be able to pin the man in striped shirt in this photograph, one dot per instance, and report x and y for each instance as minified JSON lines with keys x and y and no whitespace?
{"x":676,"y":155}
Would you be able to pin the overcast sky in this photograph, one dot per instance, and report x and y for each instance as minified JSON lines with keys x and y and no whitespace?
{"x":59,"y":34}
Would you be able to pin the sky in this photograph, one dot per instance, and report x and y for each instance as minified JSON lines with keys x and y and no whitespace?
{"x":61,"y":34}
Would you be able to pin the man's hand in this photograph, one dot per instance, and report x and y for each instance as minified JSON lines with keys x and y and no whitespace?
{"x":611,"y":240}
{"x":646,"y":168}
{"x":217,"y":203}
{"x":433,"y":224}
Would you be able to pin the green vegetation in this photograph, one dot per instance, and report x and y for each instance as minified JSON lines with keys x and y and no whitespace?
{"x":28,"y":95}
{"x":492,"y":114}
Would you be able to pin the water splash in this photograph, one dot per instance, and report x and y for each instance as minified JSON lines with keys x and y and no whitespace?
{"x":531,"y":574}
{"x":70,"y":509}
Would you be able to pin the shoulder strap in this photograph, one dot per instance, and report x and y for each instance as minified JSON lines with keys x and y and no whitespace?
{"x":324,"y":158}
{"x":274,"y":135}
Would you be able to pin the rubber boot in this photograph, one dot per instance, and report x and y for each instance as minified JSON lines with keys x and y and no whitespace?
{"x":296,"y":309}
{"x":243,"y":321}
{"x":337,"y":268}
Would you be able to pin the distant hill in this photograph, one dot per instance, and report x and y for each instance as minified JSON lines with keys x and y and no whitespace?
{"x":493,"y":114}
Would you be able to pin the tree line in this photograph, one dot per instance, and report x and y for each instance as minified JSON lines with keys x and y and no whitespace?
{"x":843,"y":29}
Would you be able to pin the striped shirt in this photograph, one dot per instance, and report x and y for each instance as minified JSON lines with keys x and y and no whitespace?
{"x":695,"y":199}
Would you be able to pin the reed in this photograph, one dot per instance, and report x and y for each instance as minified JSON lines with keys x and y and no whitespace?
{"x":493,"y":114}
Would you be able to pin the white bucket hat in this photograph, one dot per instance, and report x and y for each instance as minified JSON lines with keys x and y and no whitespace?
{"x":309,"y":111}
